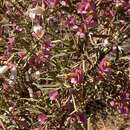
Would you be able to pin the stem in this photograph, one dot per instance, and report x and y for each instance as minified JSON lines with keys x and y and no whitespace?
{"x":74,"y":103}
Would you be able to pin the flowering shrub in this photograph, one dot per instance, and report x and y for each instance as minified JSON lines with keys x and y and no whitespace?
{"x":62,"y":61}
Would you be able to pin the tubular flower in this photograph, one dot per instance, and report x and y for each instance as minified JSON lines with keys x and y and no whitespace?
{"x":104,"y":66}
{"x":76,"y":76}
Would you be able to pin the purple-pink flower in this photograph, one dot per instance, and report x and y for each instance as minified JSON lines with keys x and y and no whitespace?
{"x":125,"y":4}
{"x":121,"y":105}
{"x":89,"y":21}
{"x":83,"y":7}
{"x":42,"y":119}
{"x":22,"y":54}
{"x":123,"y":110}
{"x":38,"y":59}
{"x":124,"y":96}
{"x":53,"y":95}
{"x":83,"y":117}
{"x":112,"y":103}
{"x":109,"y":13}
{"x":70,"y":21}
{"x":51,"y":3}
{"x":76,"y":76}
{"x":63,"y":2}
{"x":104,"y":66}
{"x":80,"y":34}
{"x":11,"y":43}
{"x":46,"y":46}
{"x":42,"y":56}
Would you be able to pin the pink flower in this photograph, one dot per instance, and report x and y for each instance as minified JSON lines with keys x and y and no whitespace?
{"x":22,"y":54}
{"x":109,"y":13}
{"x":45,"y":52}
{"x":18,"y":29}
{"x":83,"y":7}
{"x":11,"y":40}
{"x":123,"y":110}
{"x":124,"y":96}
{"x":42,"y":56}
{"x":53,"y":95}
{"x":2,"y":127}
{"x":125,"y":4}
{"x":80,"y":34}
{"x":46,"y":46}
{"x":76,"y":76}
{"x":104,"y":66}
{"x":118,"y":3}
{"x":70,"y":21}
{"x":38,"y":59}
{"x":63,"y":2}
{"x":13,"y":72}
{"x":42,"y":119}
{"x":89,"y":22}
{"x":112,"y":103}
{"x":51,"y":3}
{"x":79,"y":31}
{"x":83,"y":118}
{"x":10,"y":43}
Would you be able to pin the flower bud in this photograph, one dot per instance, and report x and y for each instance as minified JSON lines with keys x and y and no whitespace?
{"x":38,"y":31}
{"x":13,"y":73}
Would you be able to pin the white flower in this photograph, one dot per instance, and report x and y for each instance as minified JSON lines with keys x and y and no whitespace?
{"x":37,"y":74}
{"x":106,"y":42}
{"x":11,"y":82}
{"x":35,"y":11}
{"x":38,"y":31}
{"x":37,"y":28}
{"x":3,"y":69}
{"x":32,"y":15}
